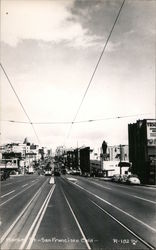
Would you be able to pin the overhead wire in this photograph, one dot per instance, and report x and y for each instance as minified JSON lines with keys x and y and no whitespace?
{"x":95,"y":69}
{"x":4,"y":71}
{"x":83,"y":121}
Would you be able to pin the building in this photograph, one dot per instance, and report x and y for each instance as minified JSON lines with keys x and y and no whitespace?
{"x":24,"y":154}
{"x":142,"y":149}
{"x":85,"y":160}
{"x":60,"y":150}
{"x":118,"y":152}
{"x":95,"y":154}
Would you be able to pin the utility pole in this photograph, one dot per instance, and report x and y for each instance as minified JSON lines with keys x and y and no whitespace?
{"x":101,"y":159}
{"x":120,"y":159}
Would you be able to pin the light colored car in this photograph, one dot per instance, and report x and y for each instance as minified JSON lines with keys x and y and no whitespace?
{"x":133,"y":179}
{"x":76,"y":172}
{"x":47,"y":173}
{"x":68,"y":171}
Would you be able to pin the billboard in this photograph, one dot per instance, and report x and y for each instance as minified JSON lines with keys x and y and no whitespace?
{"x":151,"y":132}
{"x":9,"y":163}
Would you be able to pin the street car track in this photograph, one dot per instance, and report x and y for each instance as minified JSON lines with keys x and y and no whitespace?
{"x":35,"y":225}
{"x":11,"y":198}
{"x":129,"y":230}
{"x":107,"y":202}
{"x":8,"y":231}
{"x":4,"y":195}
{"x":146,"y":243}
{"x":78,"y":224}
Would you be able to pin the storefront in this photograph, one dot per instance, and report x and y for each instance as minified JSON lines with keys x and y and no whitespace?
{"x":142,"y":149}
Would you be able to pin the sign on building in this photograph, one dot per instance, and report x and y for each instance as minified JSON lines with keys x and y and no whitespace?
{"x":151,"y":133}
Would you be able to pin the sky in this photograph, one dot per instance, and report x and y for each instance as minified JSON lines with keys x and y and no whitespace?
{"x":49,"y":50}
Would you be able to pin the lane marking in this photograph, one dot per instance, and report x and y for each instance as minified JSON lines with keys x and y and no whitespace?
{"x":8,"y":193}
{"x":134,"y":189}
{"x":25,"y":185}
{"x":7,"y":184}
{"x":117,"y":208}
{"x":101,"y":185}
{"x":121,"y":224}
{"x":16,"y":195}
{"x":70,"y":178}
{"x":18,"y":181}
{"x":20,"y":215}
{"x":129,"y":187}
{"x":146,"y":187}
{"x":143,"y":199}
{"x":39,"y":219}
{"x":82,"y":233}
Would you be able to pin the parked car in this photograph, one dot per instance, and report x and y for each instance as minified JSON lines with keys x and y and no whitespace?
{"x":13,"y":172}
{"x":123,"y":178}
{"x":76,"y":172}
{"x":4,"y":175}
{"x":85,"y":174}
{"x":97,"y":173}
{"x":47,"y":173}
{"x":68,"y":171}
{"x":100,"y":173}
{"x":116,"y":178}
{"x":63,"y":171}
{"x":133,"y":179}
{"x":56,"y":173}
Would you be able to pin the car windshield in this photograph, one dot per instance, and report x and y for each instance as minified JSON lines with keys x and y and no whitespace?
{"x":134,"y":175}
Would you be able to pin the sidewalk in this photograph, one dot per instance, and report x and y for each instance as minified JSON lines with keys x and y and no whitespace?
{"x":16,"y":175}
{"x":109,"y":179}
{"x":153,"y":186}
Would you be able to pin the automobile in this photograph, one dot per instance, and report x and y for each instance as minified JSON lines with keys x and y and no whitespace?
{"x":123,"y":178}
{"x":4,"y":175}
{"x":76,"y":172}
{"x":56,"y":173}
{"x":116,"y":178}
{"x":100,"y":173}
{"x":133,"y":179}
{"x":68,"y":171}
{"x":47,"y":172}
{"x":63,"y":171}
{"x":85,"y":174}
{"x":13,"y":172}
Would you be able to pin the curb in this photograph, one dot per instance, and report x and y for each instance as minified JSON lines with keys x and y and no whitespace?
{"x":143,"y":185}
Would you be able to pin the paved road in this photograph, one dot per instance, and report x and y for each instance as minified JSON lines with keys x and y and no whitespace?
{"x":76,"y":213}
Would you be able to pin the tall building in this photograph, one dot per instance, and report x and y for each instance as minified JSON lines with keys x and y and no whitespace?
{"x":142,"y":149}
{"x":85,"y":160}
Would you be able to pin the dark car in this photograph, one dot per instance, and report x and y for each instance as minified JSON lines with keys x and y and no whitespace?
{"x":1,"y":175}
{"x":4,"y":175}
{"x":116,"y":178}
{"x":63,"y":171}
{"x":56,"y":173}
{"x":85,"y":174}
{"x":100,"y":173}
